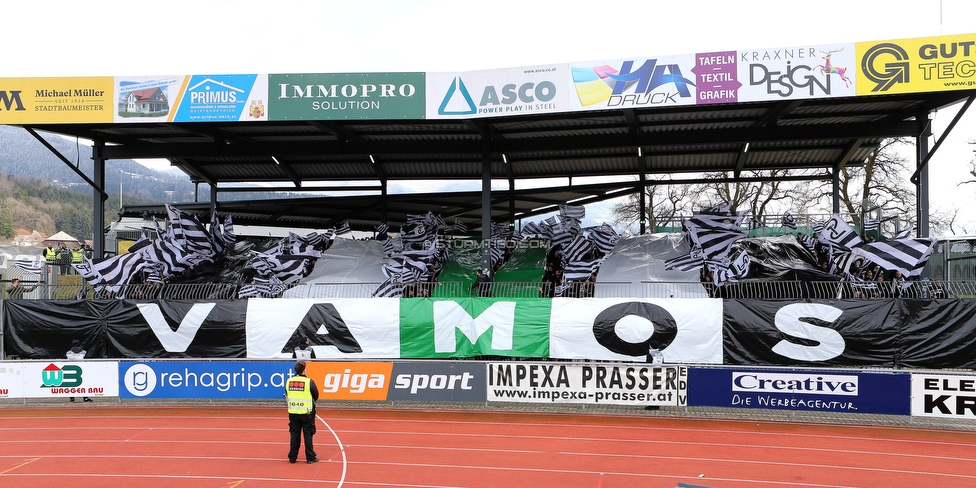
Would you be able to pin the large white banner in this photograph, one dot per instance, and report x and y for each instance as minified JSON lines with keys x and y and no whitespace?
{"x":501,"y":92}
{"x":350,"y":328}
{"x":621,"y":329}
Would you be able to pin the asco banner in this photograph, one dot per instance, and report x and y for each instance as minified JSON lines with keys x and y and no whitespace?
{"x":791,"y":389}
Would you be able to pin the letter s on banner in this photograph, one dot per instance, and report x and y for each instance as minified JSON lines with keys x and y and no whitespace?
{"x":790,"y":320}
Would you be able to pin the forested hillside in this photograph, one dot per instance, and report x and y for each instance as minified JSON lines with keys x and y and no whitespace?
{"x":39,"y":192}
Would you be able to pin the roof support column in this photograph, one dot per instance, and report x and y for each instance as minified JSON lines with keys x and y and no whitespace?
{"x":835,"y":190}
{"x":213,"y":199}
{"x":98,"y":204}
{"x":486,"y":209}
{"x":922,"y":170}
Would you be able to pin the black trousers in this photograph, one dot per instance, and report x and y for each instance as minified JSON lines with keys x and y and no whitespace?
{"x":299,"y":424}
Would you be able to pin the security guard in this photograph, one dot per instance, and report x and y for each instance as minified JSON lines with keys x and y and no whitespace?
{"x":50,"y":255}
{"x":301,"y":393}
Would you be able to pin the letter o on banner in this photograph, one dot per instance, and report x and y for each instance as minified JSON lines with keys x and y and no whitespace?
{"x":605,"y":327}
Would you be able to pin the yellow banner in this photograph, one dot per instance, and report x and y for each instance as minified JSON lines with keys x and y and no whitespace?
{"x":56,"y":100}
{"x":923,"y":64}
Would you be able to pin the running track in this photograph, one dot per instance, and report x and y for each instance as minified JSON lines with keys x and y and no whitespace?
{"x":218,"y":446}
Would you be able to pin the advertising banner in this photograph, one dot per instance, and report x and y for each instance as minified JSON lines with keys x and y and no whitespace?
{"x":56,"y":100}
{"x":336,"y":328}
{"x":335,"y":96}
{"x":474,"y":327}
{"x":142,"y":99}
{"x":203,"y":379}
{"x":923,"y":64}
{"x":686,"y":330}
{"x":63,"y":379}
{"x":665,"y":81}
{"x":500,"y":92}
{"x":212,"y":98}
{"x":796,"y":72}
{"x":944,"y":395}
{"x":12,"y":380}
{"x":439,"y":381}
{"x":833,"y":391}
{"x":350,"y":380}
{"x":590,"y":384}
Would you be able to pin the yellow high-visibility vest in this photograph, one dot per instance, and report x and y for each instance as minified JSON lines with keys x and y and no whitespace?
{"x":298,"y":391}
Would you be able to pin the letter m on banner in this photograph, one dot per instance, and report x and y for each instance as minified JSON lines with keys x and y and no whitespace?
{"x":474,"y":327}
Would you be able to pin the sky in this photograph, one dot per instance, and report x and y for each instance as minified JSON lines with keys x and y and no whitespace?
{"x":111,"y":38}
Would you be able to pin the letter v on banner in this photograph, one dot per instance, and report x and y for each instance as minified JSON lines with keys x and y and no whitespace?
{"x":180,"y":339}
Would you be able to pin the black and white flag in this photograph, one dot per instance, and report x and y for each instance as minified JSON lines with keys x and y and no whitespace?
{"x":788,"y":221}
{"x":839,"y":234}
{"x":906,"y":255}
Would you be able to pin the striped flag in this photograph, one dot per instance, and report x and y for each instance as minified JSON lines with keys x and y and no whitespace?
{"x":871,"y":224}
{"x":343,"y":228}
{"x":714,"y":243}
{"x":840,"y":234}
{"x":905,"y":234}
{"x":788,"y":221}
{"x":36,"y":266}
{"x":603,"y":237}
{"x":270,"y":287}
{"x":688,"y":262}
{"x":572,"y":211}
{"x":906,"y":255}
{"x":756,"y":223}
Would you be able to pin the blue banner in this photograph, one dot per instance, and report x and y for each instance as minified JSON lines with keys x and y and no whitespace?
{"x":794,"y":389}
{"x":209,"y":98}
{"x":204,"y":379}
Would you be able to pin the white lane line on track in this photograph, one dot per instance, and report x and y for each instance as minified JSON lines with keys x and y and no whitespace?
{"x":342,"y":450}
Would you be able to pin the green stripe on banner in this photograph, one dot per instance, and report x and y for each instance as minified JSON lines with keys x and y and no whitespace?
{"x":466,"y":327}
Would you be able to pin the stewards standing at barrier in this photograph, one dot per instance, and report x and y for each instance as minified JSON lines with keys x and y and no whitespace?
{"x":301,"y":393}
{"x":76,"y":353}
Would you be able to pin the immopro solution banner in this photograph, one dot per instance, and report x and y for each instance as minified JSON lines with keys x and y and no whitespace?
{"x":333,"y":96}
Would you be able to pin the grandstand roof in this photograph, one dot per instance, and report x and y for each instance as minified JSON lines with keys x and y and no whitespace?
{"x":815,"y":134}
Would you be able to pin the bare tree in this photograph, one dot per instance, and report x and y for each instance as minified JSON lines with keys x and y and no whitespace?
{"x":666,"y":200}
{"x":883,"y":180}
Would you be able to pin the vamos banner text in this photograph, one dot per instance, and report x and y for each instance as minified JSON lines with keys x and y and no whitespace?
{"x":609,"y":384}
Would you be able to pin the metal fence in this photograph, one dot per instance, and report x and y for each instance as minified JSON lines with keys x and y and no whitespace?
{"x":823,"y":290}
